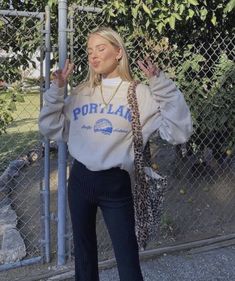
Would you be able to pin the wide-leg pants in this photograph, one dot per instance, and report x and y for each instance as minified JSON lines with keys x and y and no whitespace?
{"x":111,"y":191}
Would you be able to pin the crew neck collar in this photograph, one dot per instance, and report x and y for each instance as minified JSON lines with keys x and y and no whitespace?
{"x":111,"y":81}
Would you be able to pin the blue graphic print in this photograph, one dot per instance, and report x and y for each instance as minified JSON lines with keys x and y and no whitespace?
{"x":103,"y":126}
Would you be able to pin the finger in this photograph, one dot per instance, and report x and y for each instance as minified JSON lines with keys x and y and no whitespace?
{"x":148,"y":61}
{"x":53,"y":75}
{"x":66,"y":66}
{"x":69,"y":70}
{"x":142,"y":66}
{"x":57,"y":73}
{"x":150,"y":64}
{"x":71,"y":66}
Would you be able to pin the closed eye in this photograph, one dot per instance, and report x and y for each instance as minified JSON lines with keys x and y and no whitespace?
{"x":90,"y":52}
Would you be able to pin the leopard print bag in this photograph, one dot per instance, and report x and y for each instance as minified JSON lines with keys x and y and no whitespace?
{"x":150,"y":187}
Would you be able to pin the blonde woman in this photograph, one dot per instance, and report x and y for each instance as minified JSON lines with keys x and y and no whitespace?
{"x":95,"y":121}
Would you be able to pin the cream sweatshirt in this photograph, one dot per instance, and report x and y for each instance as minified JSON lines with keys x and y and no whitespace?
{"x":101,"y":138}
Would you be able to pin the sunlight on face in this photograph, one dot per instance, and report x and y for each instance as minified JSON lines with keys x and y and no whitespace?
{"x":103,"y":56}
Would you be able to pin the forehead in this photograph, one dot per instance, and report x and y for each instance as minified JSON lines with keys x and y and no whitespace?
{"x":96,"y":40}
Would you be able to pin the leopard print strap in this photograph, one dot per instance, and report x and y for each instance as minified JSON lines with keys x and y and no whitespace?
{"x":137,"y":132}
{"x":147,"y":155}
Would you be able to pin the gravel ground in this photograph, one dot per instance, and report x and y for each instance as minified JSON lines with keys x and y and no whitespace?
{"x":214,"y":265}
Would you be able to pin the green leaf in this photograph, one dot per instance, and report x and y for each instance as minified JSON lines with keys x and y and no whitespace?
{"x":146,"y":9}
{"x":172,"y":22}
{"x":160,"y":27}
{"x":230,"y":6}
{"x":177,"y":16}
{"x":19,"y":98}
{"x":176,"y":6}
{"x":51,"y":2}
{"x":111,"y":13}
{"x":1,"y":23}
{"x":116,"y":4}
{"x":147,"y":24}
{"x":193,"y":2}
{"x":182,"y":8}
{"x":191,"y":13}
{"x":203,"y":14}
{"x":214,"y":20}
{"x":135,"y":11}
{"x":12,"y":106}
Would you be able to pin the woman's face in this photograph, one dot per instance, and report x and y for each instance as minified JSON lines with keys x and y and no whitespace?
{"x":103,"y":56}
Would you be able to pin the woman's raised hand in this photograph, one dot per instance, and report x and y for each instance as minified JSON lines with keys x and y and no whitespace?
{"x":60,"y":76}
{"x":148,"y":68}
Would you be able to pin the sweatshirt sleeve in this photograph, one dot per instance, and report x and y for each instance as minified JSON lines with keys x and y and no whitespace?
{"x":163,"y":107}
{"x":53,"y":119}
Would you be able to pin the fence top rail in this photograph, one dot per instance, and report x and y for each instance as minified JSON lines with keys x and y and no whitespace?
{"x":75,"y":7}
{"x":14,"y":13}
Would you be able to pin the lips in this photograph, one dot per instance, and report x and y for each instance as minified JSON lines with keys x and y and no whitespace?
{"x":95,"y":64}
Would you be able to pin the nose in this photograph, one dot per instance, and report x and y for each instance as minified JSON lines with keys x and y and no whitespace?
{"x":93,"y":55}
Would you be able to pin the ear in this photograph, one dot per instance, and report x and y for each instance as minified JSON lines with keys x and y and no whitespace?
{"x":119,"y":54}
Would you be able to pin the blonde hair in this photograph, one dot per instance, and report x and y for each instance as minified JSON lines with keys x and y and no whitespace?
{"x":93,"y":79}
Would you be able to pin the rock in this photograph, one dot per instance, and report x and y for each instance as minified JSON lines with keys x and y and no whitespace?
{"x":11,"y":171}
{"x":4,"y":199}
{"x":232,"y":164}
{"x":5,"y":202}
{"x":3,"y":195}
{"x":4,"y":178}
{"x":13,"y":247}
{"x":15,"y":166}
{"x":8,"y":218}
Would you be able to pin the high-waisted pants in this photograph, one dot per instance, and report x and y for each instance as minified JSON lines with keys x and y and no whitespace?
{"x":111,"y":191}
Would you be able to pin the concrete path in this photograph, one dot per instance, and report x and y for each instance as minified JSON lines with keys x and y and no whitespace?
{"x":213,"y":265}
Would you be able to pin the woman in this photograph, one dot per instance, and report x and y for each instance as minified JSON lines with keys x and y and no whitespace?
{"x":95,"y":120}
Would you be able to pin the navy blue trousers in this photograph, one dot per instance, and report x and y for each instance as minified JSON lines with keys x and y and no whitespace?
{"x":111,"y":191}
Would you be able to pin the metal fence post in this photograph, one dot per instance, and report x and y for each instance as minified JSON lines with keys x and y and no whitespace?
{"x":47,"y":235}
{"x":62,"y":148}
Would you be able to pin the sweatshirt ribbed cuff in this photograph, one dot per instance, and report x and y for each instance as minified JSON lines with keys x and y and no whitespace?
{"x":54,"y":87}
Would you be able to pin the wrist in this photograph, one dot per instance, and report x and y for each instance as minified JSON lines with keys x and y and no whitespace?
{"x":56,"y":85}
{"x":59,"y":84}
{"x":154,"y":74}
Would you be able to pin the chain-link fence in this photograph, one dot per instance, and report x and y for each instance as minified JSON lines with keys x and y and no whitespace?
{"x":21,"y":170}
{"x":200,"y":198}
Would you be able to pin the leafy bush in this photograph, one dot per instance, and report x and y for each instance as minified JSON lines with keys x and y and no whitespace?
{"x":8,"y":99}
{"x":212,"y":101}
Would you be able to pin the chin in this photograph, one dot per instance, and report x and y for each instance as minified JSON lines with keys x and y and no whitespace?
{"x":98,"y":71}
